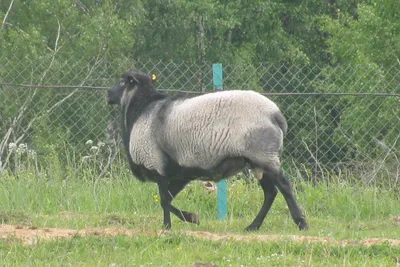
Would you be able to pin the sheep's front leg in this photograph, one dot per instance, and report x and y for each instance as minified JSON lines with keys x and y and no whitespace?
{"x":168,"y":191}
{"x":174,"y":187}
{"x":165,"y":203}
{"x":270,"y":193}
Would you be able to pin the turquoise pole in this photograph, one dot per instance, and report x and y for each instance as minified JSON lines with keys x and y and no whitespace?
{"x":221,"y":185}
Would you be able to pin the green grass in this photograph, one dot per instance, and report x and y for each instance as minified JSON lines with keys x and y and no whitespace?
{"x":337,"y":210}
{"x":177,"y":250}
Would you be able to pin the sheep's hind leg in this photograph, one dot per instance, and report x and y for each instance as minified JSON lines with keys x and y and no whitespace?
{"x":285,"y":188}
{"x":174,"y":188}
{"x":270,"y":193}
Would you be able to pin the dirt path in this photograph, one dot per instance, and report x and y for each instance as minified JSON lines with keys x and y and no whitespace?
{"x":31,"y":235}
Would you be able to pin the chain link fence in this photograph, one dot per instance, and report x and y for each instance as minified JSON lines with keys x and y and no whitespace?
{"x":342,"y":119}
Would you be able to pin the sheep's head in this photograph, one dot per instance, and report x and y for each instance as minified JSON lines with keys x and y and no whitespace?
{"x":127,"y":85}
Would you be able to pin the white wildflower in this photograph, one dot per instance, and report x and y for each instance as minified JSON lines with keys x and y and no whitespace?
{"x":100,"y":144}
{"x":94,"y":149}
{"x":32,"y":153}
{"x":12,"y":147}
{"x":22,"y":146}
{"x":89,"y":142}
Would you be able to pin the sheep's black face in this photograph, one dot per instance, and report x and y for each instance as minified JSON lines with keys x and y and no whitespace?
{"x":126,"y":84}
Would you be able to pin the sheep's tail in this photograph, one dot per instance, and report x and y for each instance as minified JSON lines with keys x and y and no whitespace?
{"x":281,"y":121}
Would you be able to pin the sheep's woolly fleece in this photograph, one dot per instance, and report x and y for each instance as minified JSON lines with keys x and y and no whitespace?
{"x":203,"y":130}
{"x":30,"y":236}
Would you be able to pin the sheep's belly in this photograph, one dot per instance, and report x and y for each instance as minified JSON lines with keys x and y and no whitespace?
{"x":224,"y":169}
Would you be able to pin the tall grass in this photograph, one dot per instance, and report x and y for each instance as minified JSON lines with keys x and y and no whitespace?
{"x":42,"y":196}
{"x":70,"y":182}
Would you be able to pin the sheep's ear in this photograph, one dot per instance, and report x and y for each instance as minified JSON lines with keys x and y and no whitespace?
{"x":132,"y":80}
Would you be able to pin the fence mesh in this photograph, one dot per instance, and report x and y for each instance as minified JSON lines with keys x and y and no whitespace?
{"x":340,"y":117}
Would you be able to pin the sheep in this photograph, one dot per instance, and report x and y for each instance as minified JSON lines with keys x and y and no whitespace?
{"x":173,"y":140}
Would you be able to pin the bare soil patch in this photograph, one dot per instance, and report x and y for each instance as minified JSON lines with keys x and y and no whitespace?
{"x":32,"y":235}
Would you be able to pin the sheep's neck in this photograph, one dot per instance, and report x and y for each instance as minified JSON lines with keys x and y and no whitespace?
{"x":133,"y":109}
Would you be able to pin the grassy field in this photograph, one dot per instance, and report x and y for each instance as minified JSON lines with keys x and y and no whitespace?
{"x":337,"y":210}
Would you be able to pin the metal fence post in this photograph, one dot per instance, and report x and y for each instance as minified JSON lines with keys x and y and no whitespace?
{"x":221,"y":185}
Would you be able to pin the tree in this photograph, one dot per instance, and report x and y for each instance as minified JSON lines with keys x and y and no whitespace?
{"x":365,"y":52}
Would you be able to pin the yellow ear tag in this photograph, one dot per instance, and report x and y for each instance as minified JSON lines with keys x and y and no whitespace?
{"x":153,"y":77}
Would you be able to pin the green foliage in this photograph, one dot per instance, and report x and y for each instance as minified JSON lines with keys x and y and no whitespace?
{"x":371,"y":38}
{"x":61,"y":27}
{"x":269,"y":46}
{"x":213,"y":30}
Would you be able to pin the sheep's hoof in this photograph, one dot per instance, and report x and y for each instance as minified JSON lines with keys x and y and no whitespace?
{"x":194,"y":218}
{"x":303,"y":226}
{"x":166,"y":227}
{"x":252,"y":228}
{"x":190,"y":217}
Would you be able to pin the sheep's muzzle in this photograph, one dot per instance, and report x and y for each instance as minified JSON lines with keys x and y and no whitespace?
{"x":113,"y":96}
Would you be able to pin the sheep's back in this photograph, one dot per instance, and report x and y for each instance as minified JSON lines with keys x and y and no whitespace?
{"x":202,"y":131}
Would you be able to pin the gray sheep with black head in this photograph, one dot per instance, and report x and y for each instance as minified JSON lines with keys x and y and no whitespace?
{"x":174,"y":140}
